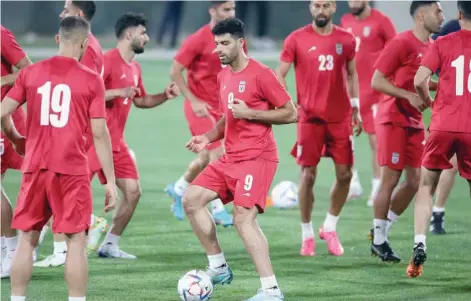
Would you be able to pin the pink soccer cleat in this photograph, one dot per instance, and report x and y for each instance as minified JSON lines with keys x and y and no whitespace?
{"x":333,"y":244}
{"x":308,"y":248}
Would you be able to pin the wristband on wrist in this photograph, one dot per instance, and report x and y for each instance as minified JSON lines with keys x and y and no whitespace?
{"x":355,"y":102}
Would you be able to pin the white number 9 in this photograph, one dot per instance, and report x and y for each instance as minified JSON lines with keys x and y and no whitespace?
{"x":248,"y":182}
{"x":230,"y":100}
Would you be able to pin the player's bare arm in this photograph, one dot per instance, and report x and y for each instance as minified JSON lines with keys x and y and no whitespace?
{"x":149,"y":101}
{"x":353,"y":92}
{"x":176,"y":73}
{"x":9,"y":79}
{"x":198,"y":143}
{"x":421,"y":83}
{"x":283,"y":115}
{"x":282,"y":72}
{"x":128,"y":92}
{"x":7,"y":125}
{"x":380,"y":83}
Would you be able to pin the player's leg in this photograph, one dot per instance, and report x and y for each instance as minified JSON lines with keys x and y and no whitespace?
{"x":9,"y":235}
{"x":445,"y":185}
{"x":376,"y":181}
{"x":22,"y":266}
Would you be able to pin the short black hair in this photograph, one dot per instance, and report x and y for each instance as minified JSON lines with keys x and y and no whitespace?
{"x":88,"y":8}
{"x":128,"y":20}
{"x":74,"y":29}
{"x":465,"y":8}
{"x":415,"y":5}
{"x":232,"y":26}
{"x":217,"y":3}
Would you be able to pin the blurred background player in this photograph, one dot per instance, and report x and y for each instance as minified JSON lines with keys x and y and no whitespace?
{"x":171,"y":21}
{"x":324,"y":60}
{"x":12,"y":57}
{"x":93,"y":59}
{"x":249,"y":93}
{"x":56,"y":178}
{"x":450,"y":127}
{"x":124,"y":86}
{"x":198,"y":58}
{"x":372,"y":30}
{"x":399,"y":126}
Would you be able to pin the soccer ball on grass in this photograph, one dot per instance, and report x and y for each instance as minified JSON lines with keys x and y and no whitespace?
{"x":195,"y":285}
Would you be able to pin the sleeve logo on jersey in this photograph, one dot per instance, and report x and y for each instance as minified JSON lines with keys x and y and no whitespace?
{"x":395,"y":158}
{"x":366,"y":31}
{"x":339,"y":48}
{"x":2,"y":146}
{"x":136,"y":80}
{"x":242,"y":84}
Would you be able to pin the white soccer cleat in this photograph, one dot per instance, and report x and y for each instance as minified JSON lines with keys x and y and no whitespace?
{"x":356,"y":190}
{"x":370,"y":203}
{"x":99,"y":227}
{"x":111,"y":250}
{"x":6,"y":265}
{"x":54,"y":260}
{"x":4,"y":252}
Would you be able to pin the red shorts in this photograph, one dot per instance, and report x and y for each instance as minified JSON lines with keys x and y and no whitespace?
{"x":44,"y":193}
{"x":399,"y":146}
{"x":316,"y":140}
{"x":10,"y":158}
{"x":441,"y":146}
{"x":201,"y":125}
{"x":368,"y":114}
{"x":124,"y":166}
{"x":247,"y":183}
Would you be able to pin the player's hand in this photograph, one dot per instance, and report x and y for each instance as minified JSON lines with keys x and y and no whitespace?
{"x":20,"y":146}
{"x":111,"y":196}
{"x":172,"y":91}
{"x":129,"y":92}
{"x":240,"y":110}
{"x":200,"y":108}
{"x":418,"y":103}
{"x":357,"y":123}
{"x":197,"y":143}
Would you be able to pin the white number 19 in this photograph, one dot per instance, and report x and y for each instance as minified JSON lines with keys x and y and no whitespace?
{"x":458,"y":64}
{"x":58,"y":102}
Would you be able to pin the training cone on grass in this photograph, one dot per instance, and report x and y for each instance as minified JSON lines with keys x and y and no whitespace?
{"x":269,"y":202}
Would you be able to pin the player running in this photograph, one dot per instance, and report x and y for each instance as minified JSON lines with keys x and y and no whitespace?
{"x":372,"y":31}
{"x":124,"y":86}
{"x":63,"y":97}
{"x":201,"y":106}
{"x":399,"y":126}
{"x":324,"y":60}
{"x":450,"y":127}
{"x":249,"y":92}
{"x":93,"y":59}
{"x":12,"y":56}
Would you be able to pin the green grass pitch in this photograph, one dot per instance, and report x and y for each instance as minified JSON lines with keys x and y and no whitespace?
{"x":167,"y":248}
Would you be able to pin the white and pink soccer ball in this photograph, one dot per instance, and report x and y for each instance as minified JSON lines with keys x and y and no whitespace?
{"x":285,"y":195}
{"x":195,"y":285}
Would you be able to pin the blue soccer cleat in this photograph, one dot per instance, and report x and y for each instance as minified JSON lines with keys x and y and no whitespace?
{"x":222,"y":278}
{"x":223,"y":218}
{"x":177,"y":207}
{"x":264,"y":296}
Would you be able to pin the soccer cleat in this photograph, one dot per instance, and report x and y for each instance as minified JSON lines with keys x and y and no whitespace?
{"x":333,"y":243}
{"x":355,"y":191}
{"x":437,"y":223}
{"x":223,"y":218}
{"x":99,"y":227}
{"x":111,"y":250}
{"x":308,"y":248}
{"x":264,"y":296}
{"x":54,"y":260}
{"x":177,"y":207}
{"x":6,"y":265}
{"x":370,"y":203}
{"x":416,"y":263}
{"x":4,"y":253}
{"x":220,"y":277}
{"x":385,"y":252}
{"x":371,"y":234}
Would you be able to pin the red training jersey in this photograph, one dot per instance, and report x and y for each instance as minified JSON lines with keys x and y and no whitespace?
{"x":62,"y":96}
{"x":400,"y":61}
{"x":320,"y":63}
{"x":451,"y":54}
{"x":258,"y":86}
{"x":93,"y":56}
{"x":371,"y":34}
{"x":11,"y":55}
{"x":120,"y":74}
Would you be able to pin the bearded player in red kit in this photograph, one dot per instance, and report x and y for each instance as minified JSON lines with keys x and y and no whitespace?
{"x":63,"y":98}
{"x":399,"y":126}
{"x":252,"y":99}
{"x":372,"y":30}
{"x":324,"y":60}
{"x":450,"y":126}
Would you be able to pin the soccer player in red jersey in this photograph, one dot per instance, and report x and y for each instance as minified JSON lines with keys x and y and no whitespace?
{"x":93,"y":59}
{"x":201,"y":106}
{"x":450,"y":126}
{"x":324,"y":60}
{"x":399,"y":126}
{"x":124,"y":86}
{"x":12,"y":56}
{"x":372,"y":30}
{"x":249,"y":94}
{"x":63,"y":97}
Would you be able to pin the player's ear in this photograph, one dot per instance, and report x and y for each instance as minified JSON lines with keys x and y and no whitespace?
{"x":58,"y":39}
{"x":85,"y":44}
{"x":460,"y":16}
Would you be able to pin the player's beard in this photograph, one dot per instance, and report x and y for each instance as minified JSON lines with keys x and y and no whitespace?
{"x":137,"y":48}
{"x":321,"y":22}
{"x":358,"y":10}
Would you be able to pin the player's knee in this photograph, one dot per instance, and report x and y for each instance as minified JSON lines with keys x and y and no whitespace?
{"x":344,"y":176}
{"x":77,"y":240}
{"x":31,"y":238}
{"x":133,"y":194}
{"x":412,"y":183}
{"x":204,"y":158}
{"x":191,"y":200}
{"x":308,"y":175}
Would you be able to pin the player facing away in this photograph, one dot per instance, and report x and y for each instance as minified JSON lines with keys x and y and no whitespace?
{"x":372,"y":30}
{"x":324,"y":61}
{"x":399,"y":126}
{"x":201,"y":105}
{"x":12,"y":56}
{"x":63,"y":97}
{"x":450,"y":126}
{"x":124,"y":86}
{"x":251,"y":99}
{"x":93,"y":59}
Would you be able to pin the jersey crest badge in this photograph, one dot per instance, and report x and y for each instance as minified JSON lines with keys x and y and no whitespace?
{"x":366,"y":31}
{"x":395,"y":158}
{"x":339,"y":48}
{"x":242,"y":86}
